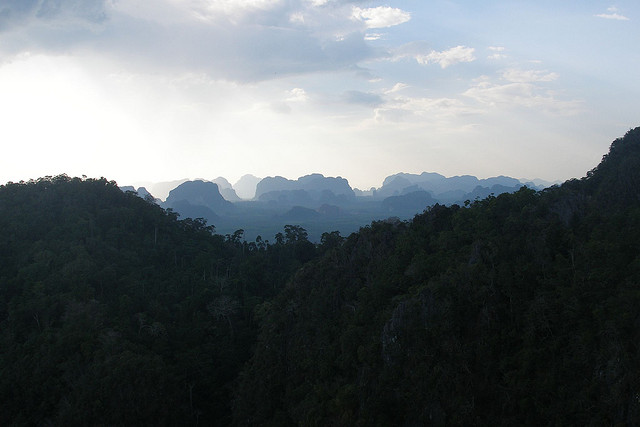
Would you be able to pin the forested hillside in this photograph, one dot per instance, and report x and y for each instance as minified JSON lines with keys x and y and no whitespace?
{"x":114,"y":312}
{"x":521,"y":309}
{"x":516,"y":309}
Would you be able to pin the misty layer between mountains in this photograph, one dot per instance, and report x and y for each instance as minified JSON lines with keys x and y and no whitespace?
{"x":261,"y":207}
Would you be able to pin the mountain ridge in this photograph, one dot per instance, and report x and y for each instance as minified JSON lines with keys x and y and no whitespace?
{"x":515,"y":309}
{"x":402,"y":194}
{"x":246,"y":188}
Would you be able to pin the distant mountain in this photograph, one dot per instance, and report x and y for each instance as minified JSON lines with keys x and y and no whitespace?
{"x":331,"y":211}
{"x":305,"y":190}
{"x":144,"y":193}
{"x":411,"y":203}
{"x":505,"y":312}
{"x":519,"y":309}
{"x":265,"y":203}
{"x":246,"y":186}
{"x":274,"y":183}
{"x":483,"y":192}
{"x":187,"y":210}
{"x":287,"y":197}
{"x":126,"y":188}
{"x":302,"y":214}
{"x":299,"y":213}
{"x":436,"y":184}
{"x":141,"y":192}
{"x":538,"y":184}
{"x":222,"y":183}
{"x":226,"y":190}
{"x":198,"y":193}
{"x":161,"y":189}
{"x":320,"y":188}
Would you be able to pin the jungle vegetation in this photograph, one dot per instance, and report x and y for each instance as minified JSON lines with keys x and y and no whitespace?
{"x":520,"y":309}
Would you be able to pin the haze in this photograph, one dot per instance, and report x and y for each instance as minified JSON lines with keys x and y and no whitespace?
{"x":135,"y":90}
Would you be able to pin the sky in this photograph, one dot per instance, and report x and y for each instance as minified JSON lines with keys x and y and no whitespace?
{"x":149,"y":91}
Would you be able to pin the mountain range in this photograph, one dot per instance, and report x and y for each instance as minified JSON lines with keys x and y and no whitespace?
{"x":516,"y":309}
{"x":263,"y":206}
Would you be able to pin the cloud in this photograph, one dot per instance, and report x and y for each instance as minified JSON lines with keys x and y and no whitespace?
{"x":296,"y":18}
{"x":284,"y":106}
{"x":297,"y":95}
{"x":497,"y":52}
{"x":422,"y":110}
{"x":397,"y":88}
{"x":613,"y":14}
{"x":233,"y":10}
{"x":521,"y":94}
{"x":448,"y":57}
{"x":424,"y":55}
{"x":242,"y":41}
{"x":373,"y":36}
{"x":380,"y":17}
{"x":527,"y":76}
{"x":19,"y":12}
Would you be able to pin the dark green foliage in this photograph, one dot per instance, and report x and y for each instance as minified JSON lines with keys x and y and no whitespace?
{"x":114,"y":312}
{"x":517,"y":309}
{"x":520,"y":309}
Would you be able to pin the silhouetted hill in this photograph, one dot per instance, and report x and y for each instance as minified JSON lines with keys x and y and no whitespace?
{"x":515,"y":309}
{"x":520,"y":309}
{"x":114,"y":312}
{"x":186,"y":210}
{"x":246,"y":186}
{"x":305,"y":190}
{"x":199,"y":193}
{"x":445,"y":190}
{"x":226,"y":190}
{"x":274,"y":183}
{"x":287,"y":197}
{"x":161,"y":189}
{"x":299,"y":213}
{"x":410,"y":203}
{"x":616,"y":180}
{"x":481,"y":192}
{"x":141,"y":192}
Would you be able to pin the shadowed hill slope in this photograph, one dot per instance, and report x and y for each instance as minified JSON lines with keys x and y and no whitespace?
{"x":114,"y":312}
{"x":520,"y":309}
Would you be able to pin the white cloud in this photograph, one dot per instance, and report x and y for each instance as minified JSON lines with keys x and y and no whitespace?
{"x":397,"y":88}
{"x":421,"y":110}
{"x":297,"y":95}
{"x":421,"y":52}
{"x":521,"y":94}
{"x":448,"y":57}
{"x":497,"y":52}
{"x":296,"y":18}
{"x":372,"y":36}
{"x":612,"y":14}
{"x":380,"y":17}
{"x":432,"y":110}
{"x":242,"y":41}
{"x":213,"y":9}
{"x":527,"y":76}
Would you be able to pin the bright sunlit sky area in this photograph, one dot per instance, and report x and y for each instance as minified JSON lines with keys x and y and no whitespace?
{"x":141,"y":90}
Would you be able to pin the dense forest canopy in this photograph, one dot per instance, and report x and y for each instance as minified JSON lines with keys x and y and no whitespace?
{"x":515,"y":309}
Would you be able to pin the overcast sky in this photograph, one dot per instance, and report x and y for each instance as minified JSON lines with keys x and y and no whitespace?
{"x":141,"y":90}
